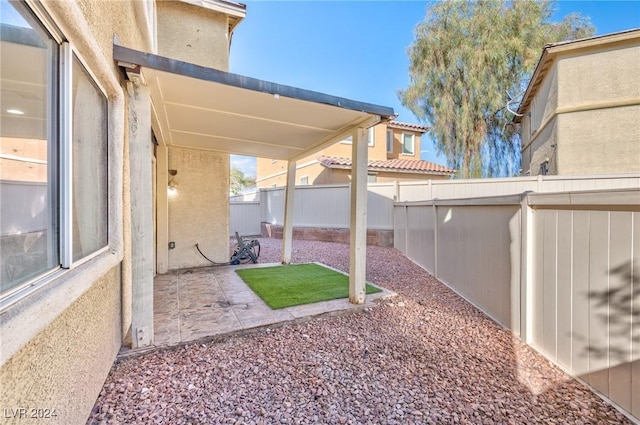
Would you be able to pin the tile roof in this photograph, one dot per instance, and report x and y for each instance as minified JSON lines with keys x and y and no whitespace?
{"x":396,"y":165}
{"x":407,"y":126}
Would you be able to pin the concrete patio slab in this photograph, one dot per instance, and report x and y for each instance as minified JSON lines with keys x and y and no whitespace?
{"x":192,"y":304}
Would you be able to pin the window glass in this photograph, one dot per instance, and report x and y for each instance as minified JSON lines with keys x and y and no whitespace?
{"x":304,"y":180}
{"x":407,"y":143}
{"x":372,"y":178}
{"x":390,"y":141}
{"x":89,"y":145}
{"x":28,"y":186}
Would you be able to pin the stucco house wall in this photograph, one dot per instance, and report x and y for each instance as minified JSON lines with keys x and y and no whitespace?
{"x":198,"y":210}
{"x":193,"y":34}
{"x":581,"y":113}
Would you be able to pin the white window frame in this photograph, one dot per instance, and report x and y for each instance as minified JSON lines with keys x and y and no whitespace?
{"x":413,"y":144}
{"x":370,"y":138}
{"x":304,"y":180}
{"x":61,"y":140}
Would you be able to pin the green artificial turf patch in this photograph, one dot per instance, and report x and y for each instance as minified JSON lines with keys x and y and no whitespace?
{"x":287,"y":286}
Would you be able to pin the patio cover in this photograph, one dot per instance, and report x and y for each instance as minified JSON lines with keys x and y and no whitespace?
{"x":205,"y":108}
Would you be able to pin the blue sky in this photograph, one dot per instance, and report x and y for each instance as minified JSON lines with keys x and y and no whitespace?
{"x":357,"y":49}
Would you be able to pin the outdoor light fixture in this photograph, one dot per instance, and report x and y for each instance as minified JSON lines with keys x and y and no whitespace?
{"x":171,"y":190}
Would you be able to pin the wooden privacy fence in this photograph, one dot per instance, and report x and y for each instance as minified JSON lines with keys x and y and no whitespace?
{"x":562,"y":270}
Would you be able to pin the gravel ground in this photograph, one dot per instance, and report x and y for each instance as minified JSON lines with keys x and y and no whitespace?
{"x":426,"y":356}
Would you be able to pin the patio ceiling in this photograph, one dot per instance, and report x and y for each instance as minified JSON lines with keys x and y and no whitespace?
{"x":204,"y":108}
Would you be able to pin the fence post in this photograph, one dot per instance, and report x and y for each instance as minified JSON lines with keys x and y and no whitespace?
{"x":406,"y":229}
{"x":526,"y":269}
{"x":435,"y":237}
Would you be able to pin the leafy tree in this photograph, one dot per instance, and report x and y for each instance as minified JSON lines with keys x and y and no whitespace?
{"x":239,"y":182}
{"x":467,"y":59}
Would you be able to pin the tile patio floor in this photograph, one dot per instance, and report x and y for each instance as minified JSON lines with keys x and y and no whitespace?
{"x":202,"y":302}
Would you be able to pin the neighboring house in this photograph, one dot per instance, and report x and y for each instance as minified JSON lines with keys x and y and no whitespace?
{"x":580,"y":113}
{"x":117,"y":122}
{"x":394,"y":155}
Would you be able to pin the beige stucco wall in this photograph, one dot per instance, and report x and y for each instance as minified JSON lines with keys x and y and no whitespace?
{"x":600,"y":131}
{"x":602,"y":141}
{"x":587,"y":112}
{"x":543,"y":147}
{"x":537,"y":145}
{"x":193,"y":34}
{"x":199,"y":209}
{"x":606,"y":74}
{"x":64,"y":366}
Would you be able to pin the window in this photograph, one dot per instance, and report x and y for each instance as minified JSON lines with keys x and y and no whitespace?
{"x":389,"y":141}
{"x":53,"y":162}
{"x":304,"y":180}
{"x":90,"y":174}
{"x":372,"y":178}
{"x":370,"y":138}
{"x":408,"y":140}
{"x":533,"y":118}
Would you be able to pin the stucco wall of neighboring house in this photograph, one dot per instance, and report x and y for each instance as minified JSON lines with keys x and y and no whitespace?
{"x":397,"y":145}
{"x":193,"y":34}
{"x":599,"y":102}
{"x":613,"y":147}
{"x":199,"y":209}
{"x":592,"y":78}
{"x":538,"y":132}
{"x":543,"y":148}
{"x":63,"y":368}
{"x":59,"y":342}
{"x":585,"y":115}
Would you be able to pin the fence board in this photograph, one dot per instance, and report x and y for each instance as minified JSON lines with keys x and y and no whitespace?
{"x":620,"y":307}
{"x":564,"y":286}
{"x":598,"y":283}
{"x":579,"y":300}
